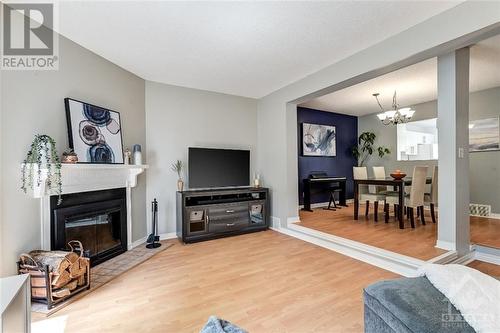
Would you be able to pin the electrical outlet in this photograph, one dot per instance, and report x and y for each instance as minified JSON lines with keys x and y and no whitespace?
{"x":461,"y":152}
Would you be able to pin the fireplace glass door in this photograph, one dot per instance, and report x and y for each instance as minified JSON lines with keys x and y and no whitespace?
{"x":98,"y":219}
{"x":98,"y":233}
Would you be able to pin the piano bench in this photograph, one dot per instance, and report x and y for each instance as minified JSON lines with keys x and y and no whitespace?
{"x":333,"y":190}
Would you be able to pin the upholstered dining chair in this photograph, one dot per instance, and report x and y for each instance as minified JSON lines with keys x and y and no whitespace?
{"x":416,"y":198}
{"x":379,"y":173}
{"x":367,"y":193}
{"x":431,"y":198}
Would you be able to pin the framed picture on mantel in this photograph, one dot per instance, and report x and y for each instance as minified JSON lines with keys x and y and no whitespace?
{"x":95,"y":133}
{"x":318,"y":140}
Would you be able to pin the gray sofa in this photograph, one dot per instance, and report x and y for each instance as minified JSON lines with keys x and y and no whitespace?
{"x":410,"y":305}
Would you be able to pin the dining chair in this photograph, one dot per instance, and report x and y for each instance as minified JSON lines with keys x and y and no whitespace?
{"x":416,"y":198}
{"x":379,"y":173}
{"x":432,"y":198}
{"x":367,"y":193}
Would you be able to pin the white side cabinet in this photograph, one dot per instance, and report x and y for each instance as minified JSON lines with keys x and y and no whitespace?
{"x":15,"y":304}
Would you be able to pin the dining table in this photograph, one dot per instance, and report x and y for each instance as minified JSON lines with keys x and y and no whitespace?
{"x":398,"y":186}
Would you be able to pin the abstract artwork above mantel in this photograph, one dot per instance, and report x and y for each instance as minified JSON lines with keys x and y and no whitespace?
{"x":95,"y":133}
{"x":318,"y":140}
{"x":484,"y":135}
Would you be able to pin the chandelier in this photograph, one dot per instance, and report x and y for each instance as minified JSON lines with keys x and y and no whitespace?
{"x":396,"y":115}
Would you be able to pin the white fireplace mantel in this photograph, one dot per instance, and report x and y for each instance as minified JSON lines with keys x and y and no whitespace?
{"x":82,"y":177}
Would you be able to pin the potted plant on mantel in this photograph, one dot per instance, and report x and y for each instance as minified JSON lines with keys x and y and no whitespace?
{"x":177,"y":167}
{"x":42,"y":154}
{"x":366,"y":146}
{"x":69,"y":156}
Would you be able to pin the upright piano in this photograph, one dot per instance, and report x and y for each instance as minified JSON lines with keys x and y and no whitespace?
{"x":321,"y":182}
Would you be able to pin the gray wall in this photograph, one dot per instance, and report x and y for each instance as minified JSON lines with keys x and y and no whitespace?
{"x":178,"y":118}
{"x":484,"y":166}
{"x":32,"y":102}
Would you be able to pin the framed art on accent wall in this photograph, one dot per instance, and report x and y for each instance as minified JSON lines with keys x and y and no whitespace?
{"x":95,"y":133}
{"x":318,"y":140}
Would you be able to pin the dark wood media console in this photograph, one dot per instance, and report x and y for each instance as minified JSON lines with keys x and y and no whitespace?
{"x":209,"y":214}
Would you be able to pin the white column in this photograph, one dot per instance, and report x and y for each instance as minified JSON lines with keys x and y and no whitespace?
{"x":45,"y":222}
{"x":292,"y":174}
{"x":128,"y":193}
{"x":453,"y":127}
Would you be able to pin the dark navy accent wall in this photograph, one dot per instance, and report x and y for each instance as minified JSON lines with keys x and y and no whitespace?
{"x":340,"y":165}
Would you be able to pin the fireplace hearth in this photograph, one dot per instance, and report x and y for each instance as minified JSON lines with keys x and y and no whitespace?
{"x":98,"y":219}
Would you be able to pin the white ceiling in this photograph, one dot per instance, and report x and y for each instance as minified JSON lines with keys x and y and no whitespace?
{"x":242,"y":48}
{"x":414,"y":84}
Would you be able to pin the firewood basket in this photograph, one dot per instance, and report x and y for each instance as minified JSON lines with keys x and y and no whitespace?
{"x":42,"y":289}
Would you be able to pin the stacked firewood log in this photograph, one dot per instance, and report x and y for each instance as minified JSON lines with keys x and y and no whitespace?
{"x":66,"y":270}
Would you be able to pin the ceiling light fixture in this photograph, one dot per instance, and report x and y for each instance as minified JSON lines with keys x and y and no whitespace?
{"x":396,"y":115}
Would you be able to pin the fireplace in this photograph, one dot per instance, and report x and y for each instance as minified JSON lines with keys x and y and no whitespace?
{"x":98,"y":219}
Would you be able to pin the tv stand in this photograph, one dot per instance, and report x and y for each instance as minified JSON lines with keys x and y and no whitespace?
{"x":214,"y":213}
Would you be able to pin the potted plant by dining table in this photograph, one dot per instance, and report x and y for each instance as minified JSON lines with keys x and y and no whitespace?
{"x":366,"y":147}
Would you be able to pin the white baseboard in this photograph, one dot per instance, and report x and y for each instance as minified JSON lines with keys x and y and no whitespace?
{"x":444,"y":258}
{"x":492,"y":259}
{"x":391,"y":261}
{"x":275,"y":222}
{"x":325,"y":204}
{"x":477,"y":252}
{"x":493,"y":216}
{"x":140,"y":241}
{"x":168,"y":235}
{"x":464,"y":260}
{"x":489,"y":255}
{"x":394,"y":262}
{"x":137,"y":242}
{"x":315,"y":205}
{"x":448,"y":246}
{"x":400,"y":264}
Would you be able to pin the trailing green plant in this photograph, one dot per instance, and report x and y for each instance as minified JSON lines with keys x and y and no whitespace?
{"x":366,"y":147}
{"x":177,"y":167}
{"x":42,"y":153}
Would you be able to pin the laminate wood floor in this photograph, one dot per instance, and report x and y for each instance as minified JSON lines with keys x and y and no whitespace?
{"x":418,"y":243}
{"x":486,"y":268}
{"x":264,"y":282}
{"x":485,"y":231}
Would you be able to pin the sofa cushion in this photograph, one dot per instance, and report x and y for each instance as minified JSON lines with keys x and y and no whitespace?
{"x":413,"y":305}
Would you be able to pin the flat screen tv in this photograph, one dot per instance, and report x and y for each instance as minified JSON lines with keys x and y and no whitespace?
{"x":209,"y":167}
